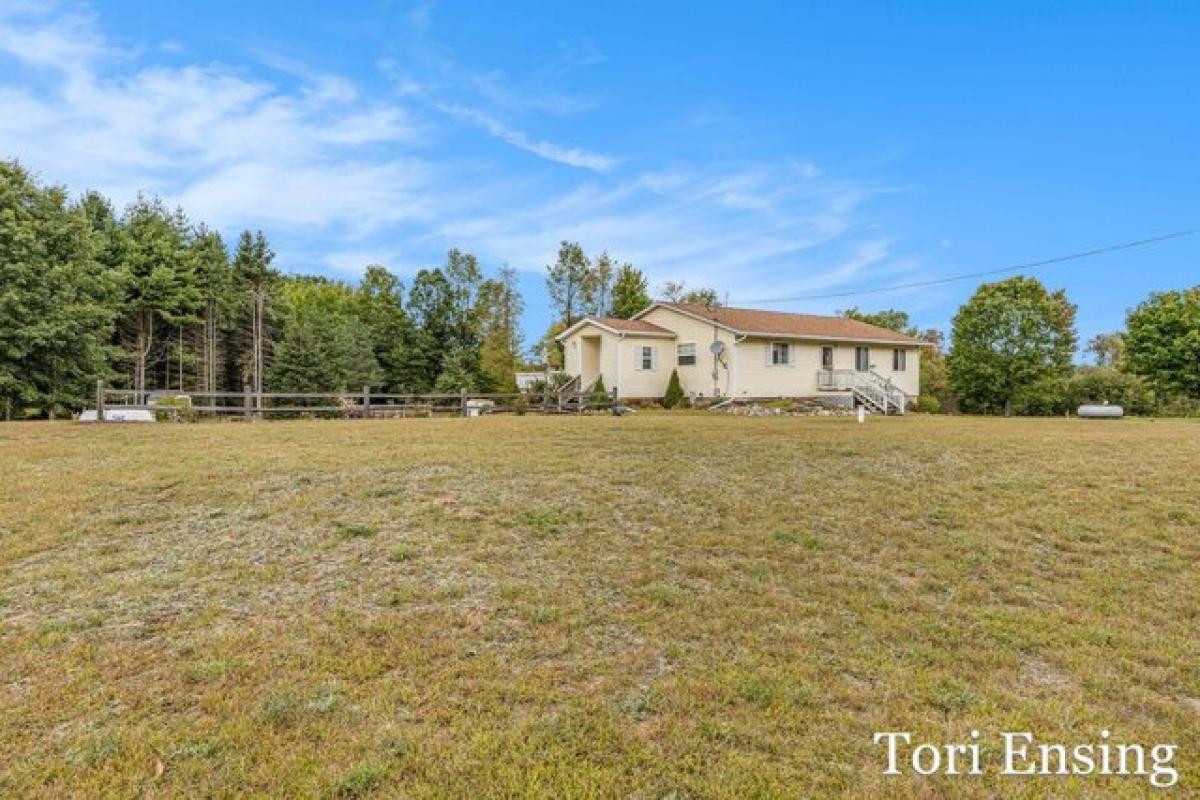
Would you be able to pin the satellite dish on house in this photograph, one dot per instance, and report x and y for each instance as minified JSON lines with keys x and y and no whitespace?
{"x":717,"y":347}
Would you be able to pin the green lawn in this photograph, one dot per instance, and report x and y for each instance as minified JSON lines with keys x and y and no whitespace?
{"x":655,"y":606}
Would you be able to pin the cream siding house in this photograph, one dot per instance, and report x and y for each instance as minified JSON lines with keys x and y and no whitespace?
{"x":745,"y":353}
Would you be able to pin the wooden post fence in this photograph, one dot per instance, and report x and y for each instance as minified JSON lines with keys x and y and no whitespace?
{"x":366,"y":409}
{"x":247,"y":401}
{"x":462,"y":396}
{"x":99,"y":401}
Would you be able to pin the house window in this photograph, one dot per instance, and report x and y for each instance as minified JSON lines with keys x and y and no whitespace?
{"x":687,"y":355}
{"x":647,"y":358}
{"x":899,"y":360}
{"x":781,"y":354}
{"x":862,"y":359}
{"x":827,"y":357}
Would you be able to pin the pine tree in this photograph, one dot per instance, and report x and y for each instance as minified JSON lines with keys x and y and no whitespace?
{"x":158,"y":273}
{"x":58,"y":304}
{"x":460,"y":370}
{"x":323,"y":350}
{"x":674,"y":395}
{"x":215,"y":281}
{"x":599,"y":393}
{"x":255,"y":279}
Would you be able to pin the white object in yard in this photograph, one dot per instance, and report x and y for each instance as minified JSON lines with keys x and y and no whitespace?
{"x":1101,"y":412}
{"x":118,"y":415}
{"x":479,"y":406}
{"x":862,"y":415}
{"x":527,"y":379}
{"x":172,"y":400}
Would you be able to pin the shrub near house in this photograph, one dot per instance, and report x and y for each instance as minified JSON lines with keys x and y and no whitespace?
{"x":674,"y":395}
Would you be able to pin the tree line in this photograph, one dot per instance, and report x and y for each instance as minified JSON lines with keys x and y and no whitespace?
{"x":148,"y":300}
{"x":1013,"y":345}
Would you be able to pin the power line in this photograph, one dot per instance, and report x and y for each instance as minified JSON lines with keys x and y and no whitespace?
{"x":969,"y":275}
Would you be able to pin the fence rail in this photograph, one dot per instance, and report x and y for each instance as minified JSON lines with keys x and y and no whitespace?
{"x":362,"y":404}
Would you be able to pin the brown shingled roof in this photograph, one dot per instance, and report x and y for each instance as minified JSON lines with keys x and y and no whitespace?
{"x":753,"y":321}
{"x":618,"y":324}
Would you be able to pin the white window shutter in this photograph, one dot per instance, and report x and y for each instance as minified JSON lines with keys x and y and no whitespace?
{"x":654,"y":358}
{"x":791,"y":354}
{"x":770,"y":346}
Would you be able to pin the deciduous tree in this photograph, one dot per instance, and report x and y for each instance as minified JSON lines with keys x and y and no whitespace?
{"x":1163,"y":341}
{"x":630,"y":292}
{"x":598,"y":286}
{"x":890,"y":318}
{"x":566,"y":281}
{"x":1009,"y":339}
{"x":1108,"y":349}
{"x":677,"y":292}
{"x":500,"y":313}
{"x":431,"y":307}
{"x":381,"y":308}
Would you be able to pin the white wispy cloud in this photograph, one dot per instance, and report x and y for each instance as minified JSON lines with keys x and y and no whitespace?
{"x":682,"y":226}
{"x":340,"y":177}
{"x":489,"y":98}
{"x":234,"y":150}
{"x":41,"y":35}
{"x":571,"y":156}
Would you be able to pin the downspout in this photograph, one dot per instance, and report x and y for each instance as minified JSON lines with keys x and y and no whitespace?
{"x":620,"y":378}
{"x":731,"y":384}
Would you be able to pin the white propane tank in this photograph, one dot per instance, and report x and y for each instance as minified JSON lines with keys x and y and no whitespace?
{"x":1100,"y":412}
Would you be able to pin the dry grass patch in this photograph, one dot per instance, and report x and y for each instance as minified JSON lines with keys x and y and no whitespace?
{"x":579,"y":607}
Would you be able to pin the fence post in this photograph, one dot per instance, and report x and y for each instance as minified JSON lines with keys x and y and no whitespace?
{"x":462,"y":395}
{"x":100,"y":401}
{"x":247,"y":400}
{"x":366,"y":410}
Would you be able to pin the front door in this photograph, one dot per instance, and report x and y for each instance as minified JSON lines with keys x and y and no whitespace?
{"x":862,"y":358}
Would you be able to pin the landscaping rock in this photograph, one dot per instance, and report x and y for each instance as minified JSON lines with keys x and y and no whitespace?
{"x":790,"y":408}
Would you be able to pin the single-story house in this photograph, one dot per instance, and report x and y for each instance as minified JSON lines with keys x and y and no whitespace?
{"x":745,"y":353}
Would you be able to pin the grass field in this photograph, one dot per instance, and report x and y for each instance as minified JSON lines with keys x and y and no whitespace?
{"x":657,"y":606}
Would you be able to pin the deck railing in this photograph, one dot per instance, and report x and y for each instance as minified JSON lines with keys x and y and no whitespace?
{"x":874,"y":387}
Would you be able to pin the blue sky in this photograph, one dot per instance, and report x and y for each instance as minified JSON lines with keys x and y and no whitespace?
{"x":768,"y":150}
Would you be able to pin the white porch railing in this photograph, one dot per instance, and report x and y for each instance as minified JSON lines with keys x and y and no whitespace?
{"x":869,"y":387}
